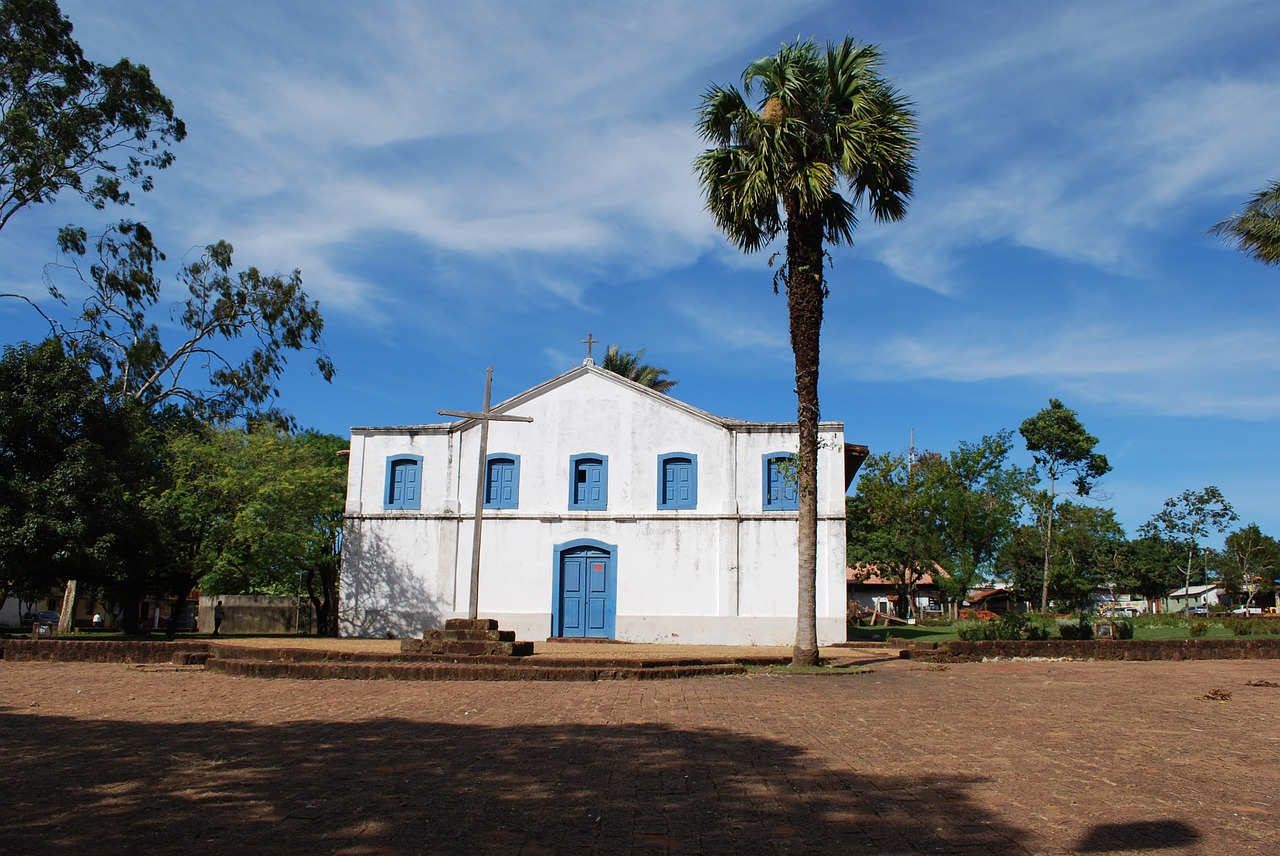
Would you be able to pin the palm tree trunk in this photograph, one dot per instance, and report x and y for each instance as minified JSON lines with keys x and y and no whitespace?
{"x":805,"y":295}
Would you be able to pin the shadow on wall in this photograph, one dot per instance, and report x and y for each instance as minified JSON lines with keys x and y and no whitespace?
{"x":381,"y":596}
{"x":393,"y":785}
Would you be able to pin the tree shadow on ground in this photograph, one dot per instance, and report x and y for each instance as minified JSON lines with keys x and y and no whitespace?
{"x":398,"y":786}
{"x":1142,"y":835}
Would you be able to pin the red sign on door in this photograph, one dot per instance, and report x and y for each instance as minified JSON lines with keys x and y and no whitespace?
{"x":597,"y":566}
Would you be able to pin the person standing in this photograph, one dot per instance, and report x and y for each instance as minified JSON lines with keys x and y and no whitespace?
{"x":218,"y":615}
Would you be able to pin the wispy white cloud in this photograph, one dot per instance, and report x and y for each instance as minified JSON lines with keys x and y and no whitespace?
{"x":1082,"y":132}
{"x":1174,"y":372}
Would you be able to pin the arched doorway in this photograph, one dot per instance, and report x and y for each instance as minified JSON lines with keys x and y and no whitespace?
{"x":584,"y":590}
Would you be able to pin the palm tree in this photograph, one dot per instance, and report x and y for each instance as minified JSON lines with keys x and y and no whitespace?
{"x":1256,"y":229}
{"x":629,"y":366}
{"x":826,"y":121}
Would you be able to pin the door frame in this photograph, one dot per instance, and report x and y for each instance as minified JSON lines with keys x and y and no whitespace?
{"x":611,"y":583}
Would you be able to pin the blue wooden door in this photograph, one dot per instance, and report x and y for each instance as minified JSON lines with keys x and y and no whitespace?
{"x":586,"y":600}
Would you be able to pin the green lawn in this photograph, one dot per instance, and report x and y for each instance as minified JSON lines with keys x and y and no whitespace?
{"x":1142,"y":631}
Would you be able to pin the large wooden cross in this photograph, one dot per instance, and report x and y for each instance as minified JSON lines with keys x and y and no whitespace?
{"x":484,"y":418}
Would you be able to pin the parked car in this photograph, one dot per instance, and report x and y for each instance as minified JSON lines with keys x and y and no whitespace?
{"x":43,"y":617}
{"x":1247,"y":610}
{"x":1198,"y":609}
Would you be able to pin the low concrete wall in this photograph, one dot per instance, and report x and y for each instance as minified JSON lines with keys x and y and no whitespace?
{"x":249,"y":614}
{"x":69,"y":651}
{"x":1102,"y":649}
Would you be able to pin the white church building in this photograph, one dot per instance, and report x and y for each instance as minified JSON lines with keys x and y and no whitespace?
{"x":618,"y":512}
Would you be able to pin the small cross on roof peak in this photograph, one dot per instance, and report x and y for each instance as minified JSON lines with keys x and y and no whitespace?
{"x":589,"y":341}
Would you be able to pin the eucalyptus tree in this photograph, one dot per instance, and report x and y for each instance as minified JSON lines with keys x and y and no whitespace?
{"x":1061,"y":447}
{"x":67,"y":123}
{"x":1188,"y":518}
{"x":632,"y":367}
{"x":1256,"y":229}
{"x":827,"y":134}
{"x":1089,"y":551}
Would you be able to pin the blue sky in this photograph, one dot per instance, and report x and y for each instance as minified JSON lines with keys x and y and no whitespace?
{"x":484,"y":183}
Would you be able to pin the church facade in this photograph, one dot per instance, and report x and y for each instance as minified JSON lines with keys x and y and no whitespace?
{"x":617,"y":512}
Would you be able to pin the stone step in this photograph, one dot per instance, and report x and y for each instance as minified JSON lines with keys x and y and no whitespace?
{"x":472,"y":647}
{"x":435,"y":671}
{"x":471,"y":624}
{"x":470,"y":635}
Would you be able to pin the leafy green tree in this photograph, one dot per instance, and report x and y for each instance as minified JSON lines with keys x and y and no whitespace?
{"x":325,"y":510}
{"x":67,"y":123}
{"x":1256,"y":229}
{"x":1087,"y":553}
{"x":1249,"y":563}
{"x":827,"y":120}
{"x":632,"y":367}
{"x":1149,"y":566}
{"x":70,"y":464}
{"x":977,"y":498}
{"x":891,"y":525}
{"x":248,"y":511}
{"x":1060,"y":447}
{"x":1187,"y":519}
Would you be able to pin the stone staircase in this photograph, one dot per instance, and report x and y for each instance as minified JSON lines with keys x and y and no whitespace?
{"x":468,"y":637}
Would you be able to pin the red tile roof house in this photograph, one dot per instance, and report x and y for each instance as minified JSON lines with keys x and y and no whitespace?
{"x":872,"y":593}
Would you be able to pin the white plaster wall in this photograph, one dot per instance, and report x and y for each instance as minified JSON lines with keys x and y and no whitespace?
{"x":367,"y":469}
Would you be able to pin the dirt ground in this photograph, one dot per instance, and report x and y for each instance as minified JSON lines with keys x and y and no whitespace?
{"x":1007,"y":757}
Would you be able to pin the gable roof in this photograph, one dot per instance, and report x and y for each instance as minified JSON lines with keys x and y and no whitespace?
{"x":592,"y":370}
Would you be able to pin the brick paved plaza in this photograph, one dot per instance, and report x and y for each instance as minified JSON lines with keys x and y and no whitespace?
{"x":984,"y":758}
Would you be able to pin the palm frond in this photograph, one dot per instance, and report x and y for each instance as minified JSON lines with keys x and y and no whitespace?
{"x":1256,"y":230}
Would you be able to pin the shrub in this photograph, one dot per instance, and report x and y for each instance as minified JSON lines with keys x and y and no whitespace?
{"x":975,"y":631}
{"x":1198,"y":628}
{"x":1012,"y":625}
{"x":1158,"y":619}
{"x":1075,"y":628}
{"x":1124,"y":629}
{"x":1241,"y":626}
{"x":1037,"y":632}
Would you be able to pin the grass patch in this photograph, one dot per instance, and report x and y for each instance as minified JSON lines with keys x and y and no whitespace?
{"x":1163,"y":628}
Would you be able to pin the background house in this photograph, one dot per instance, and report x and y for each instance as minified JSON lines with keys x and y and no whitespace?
{"x":618,"y":512}
{"x":1189,"y":597}
{"x":911,"y":596}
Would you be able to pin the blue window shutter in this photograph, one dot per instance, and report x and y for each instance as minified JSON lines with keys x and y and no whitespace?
{"x":678,"y":480}
{"x":589,"y":482}
{"x":779,"y":482}
{"x":502,"y":481}
{"x":404,"y":483}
